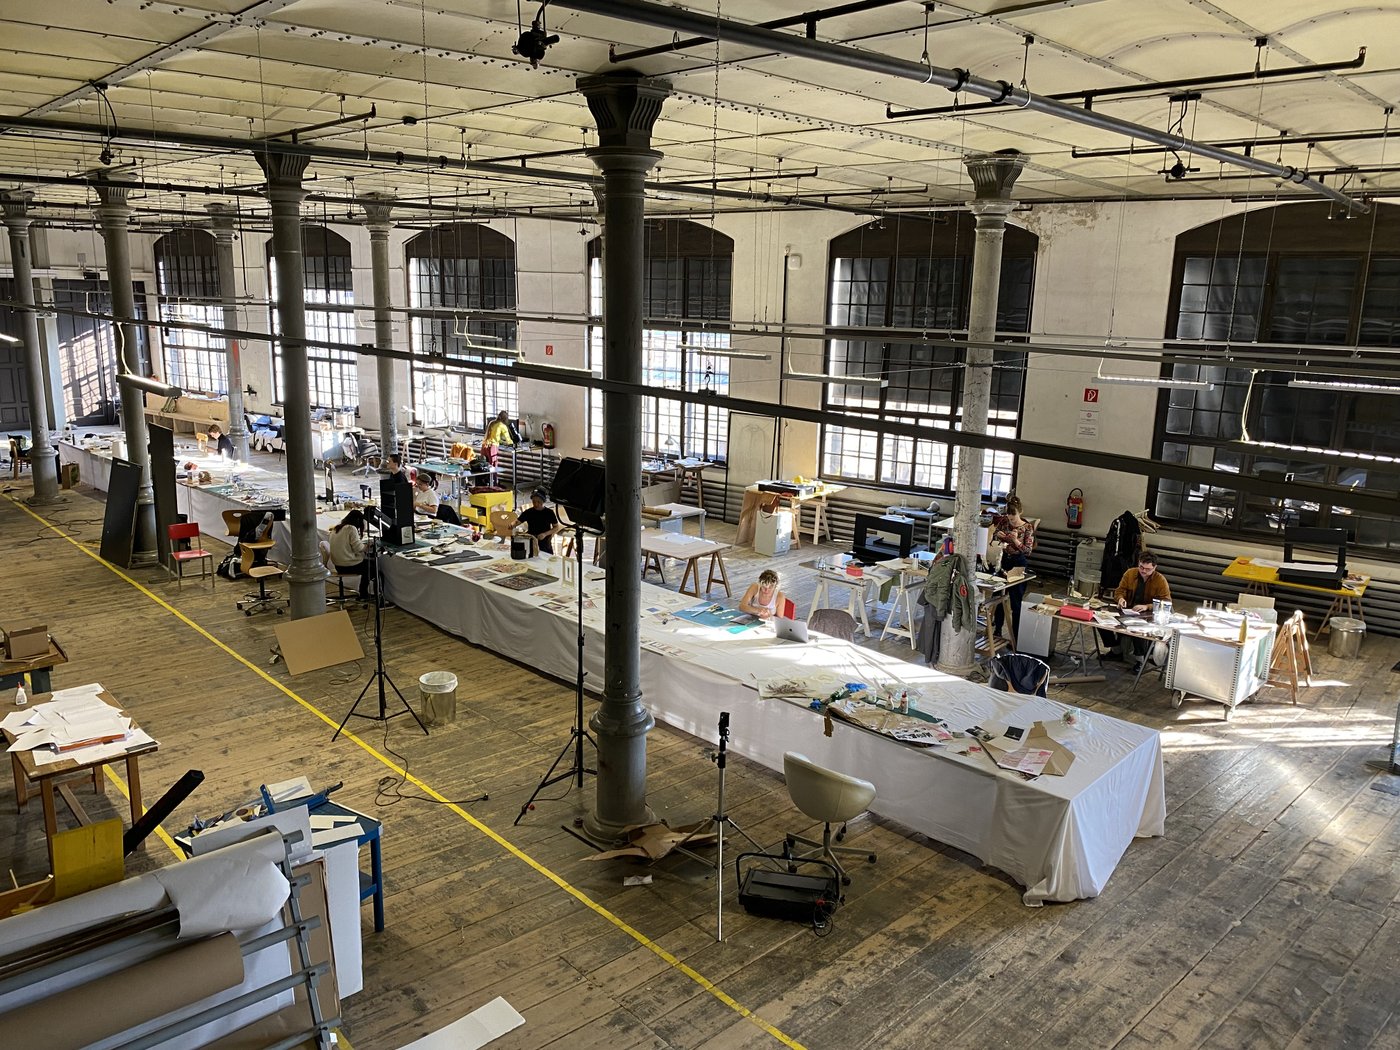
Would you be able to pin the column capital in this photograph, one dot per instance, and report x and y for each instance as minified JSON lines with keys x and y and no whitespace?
{"x":283,"y":170}
{"x":993,"y":174}
{"x":221,"y":217}
{"x":378,"y":209}
{"x":113,"y":198}
{"x":16,"y":204}
{"x":625,"y":106}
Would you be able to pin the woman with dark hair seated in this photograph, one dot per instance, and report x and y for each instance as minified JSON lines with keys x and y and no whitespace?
{"x":348,"y":550}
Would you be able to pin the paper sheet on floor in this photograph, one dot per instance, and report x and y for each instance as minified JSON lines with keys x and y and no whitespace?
{"x":475,"y":1030}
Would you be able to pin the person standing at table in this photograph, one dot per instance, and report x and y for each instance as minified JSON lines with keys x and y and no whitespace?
{"x":763,"y":599}
{"x":1138,"y":588}
{"x":348,"y":550}
{"x":221,"y":441}
{"x":497,"y":434}
{"x":1016,"y":534}
{"x":393,"y":463}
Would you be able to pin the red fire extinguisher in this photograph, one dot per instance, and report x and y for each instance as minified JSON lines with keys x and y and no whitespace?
{"x":547,"y":434}
{"x":1074,"y":509}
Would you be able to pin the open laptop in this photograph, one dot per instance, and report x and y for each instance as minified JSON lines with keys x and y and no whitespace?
{"x":791,"y":630}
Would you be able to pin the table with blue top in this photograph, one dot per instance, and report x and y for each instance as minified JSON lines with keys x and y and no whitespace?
{"x":453,"y":471}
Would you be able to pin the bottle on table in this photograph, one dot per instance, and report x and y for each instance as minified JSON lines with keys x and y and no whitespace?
{"x":21,"y":698}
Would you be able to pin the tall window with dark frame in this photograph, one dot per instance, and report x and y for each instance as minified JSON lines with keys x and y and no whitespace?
{"x":458,"y":269}
{"x":1290,"y":274}
{"x":87,"y":349}
{"x":686,"y":279}
{"x":187,"y":278}
{"x":328,"y":277}
{"x":913,"y":273}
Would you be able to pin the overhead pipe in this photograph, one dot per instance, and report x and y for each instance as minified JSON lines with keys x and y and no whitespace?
{"x":1249,"y":144}
{"x":953,"y":79}
{"x":808,"y":20}
{"x":1090,"y":94}
{"x":200,"y":140}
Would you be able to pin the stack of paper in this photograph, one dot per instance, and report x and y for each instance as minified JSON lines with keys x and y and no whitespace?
{"x":76,"y":725}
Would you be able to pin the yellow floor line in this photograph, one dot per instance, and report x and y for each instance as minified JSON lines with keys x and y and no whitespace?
{"x":598,"y":909}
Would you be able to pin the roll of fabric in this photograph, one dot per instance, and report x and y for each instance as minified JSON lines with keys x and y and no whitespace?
{"x":84,"y":1015}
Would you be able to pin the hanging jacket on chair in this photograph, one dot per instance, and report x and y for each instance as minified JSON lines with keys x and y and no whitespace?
{"x":1120,"y":547}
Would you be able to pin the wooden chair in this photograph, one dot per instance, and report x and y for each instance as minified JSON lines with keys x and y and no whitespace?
{"x":189,"y":533}
{"x":263,"y":600}
{"x":19,"y":457}
{"x":1291,"y":655}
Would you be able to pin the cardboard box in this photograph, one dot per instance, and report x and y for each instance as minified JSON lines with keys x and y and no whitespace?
{"x":1037,"y":738}
{"x":24,"y":641}
{"x":68,"y":475}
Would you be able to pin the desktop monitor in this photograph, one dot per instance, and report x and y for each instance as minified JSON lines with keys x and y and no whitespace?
{"x":881,"y":537}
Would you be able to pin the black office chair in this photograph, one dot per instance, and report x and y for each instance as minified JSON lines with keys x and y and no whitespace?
{"x":448,"y":513}
{"x":1019,"y":673}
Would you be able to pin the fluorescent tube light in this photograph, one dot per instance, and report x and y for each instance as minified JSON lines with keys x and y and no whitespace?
{"x":7,"y":338}
{"x":808,"y":377}
{"x":723,"y":351}
{"x":1341,"y":384}
{"x":565,"y":369}
{"x":1156,"y":381}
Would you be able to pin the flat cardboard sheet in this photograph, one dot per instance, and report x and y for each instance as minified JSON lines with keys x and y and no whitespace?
{"x":1037,"y":738}
{"x":318,"y":641}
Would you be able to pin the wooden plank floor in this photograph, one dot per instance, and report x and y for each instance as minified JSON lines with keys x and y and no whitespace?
{"x":1266,"y":916}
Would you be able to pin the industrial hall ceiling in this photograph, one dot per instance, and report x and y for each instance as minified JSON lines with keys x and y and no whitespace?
{"x":469,"y":107}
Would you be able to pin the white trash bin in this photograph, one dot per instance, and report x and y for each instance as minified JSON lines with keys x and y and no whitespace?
{"x":437,"y":691}
{"x":1344,"y":636}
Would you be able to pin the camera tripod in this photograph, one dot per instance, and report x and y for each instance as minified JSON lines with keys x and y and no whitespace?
{"x":578,"y":734}
{"x":380,"y":676}
{"x":716,"y":825}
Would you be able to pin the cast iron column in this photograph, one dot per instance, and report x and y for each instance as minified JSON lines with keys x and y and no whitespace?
{"x":625,"y":106}
{"x":993,"y":175}
{"x":43,"y":460}
{"x":306,"y":575}
{"x":221,"y":216}
{"x":114,"y":214}
{"x":377,"y":208}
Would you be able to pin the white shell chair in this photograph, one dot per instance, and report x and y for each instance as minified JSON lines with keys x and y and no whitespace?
{"x":832,"y":798}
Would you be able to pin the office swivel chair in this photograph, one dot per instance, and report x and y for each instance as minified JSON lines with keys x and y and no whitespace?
{"x":1019,"y":673}
{"x":837,"y":623}
{"x":263,"y":600}
{"x":830,"y":797}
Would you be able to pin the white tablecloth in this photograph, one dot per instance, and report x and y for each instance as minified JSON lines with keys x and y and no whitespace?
{"x":1060,"y":837}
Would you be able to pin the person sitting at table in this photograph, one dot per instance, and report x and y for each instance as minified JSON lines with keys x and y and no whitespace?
{"x":425,"y":498}
{"x":348,"y":550}
{"x":497,"y":434}
{"x":1136,"y":592}
{"x":540,"y":522}
{"x":763,"y":599}
{"x":221,"y":441}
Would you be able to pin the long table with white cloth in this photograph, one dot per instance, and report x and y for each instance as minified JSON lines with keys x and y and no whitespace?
{"x":1059,"y":836}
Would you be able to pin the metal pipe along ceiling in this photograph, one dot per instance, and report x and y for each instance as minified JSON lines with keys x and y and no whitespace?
{"x":953,"y":79}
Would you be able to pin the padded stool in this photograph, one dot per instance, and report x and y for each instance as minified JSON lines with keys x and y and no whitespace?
{"x":855,"y":597}
{"x":264,"y":600}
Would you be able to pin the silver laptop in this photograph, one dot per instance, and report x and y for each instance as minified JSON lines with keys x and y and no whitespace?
{"x":791,"y":630}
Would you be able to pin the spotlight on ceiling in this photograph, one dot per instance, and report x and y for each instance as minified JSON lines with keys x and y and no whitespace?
{"x":533,"y":43}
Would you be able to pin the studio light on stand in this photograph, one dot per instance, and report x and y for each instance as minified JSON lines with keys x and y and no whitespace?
{"x":578,"y":493}
{"x":374,"y":555}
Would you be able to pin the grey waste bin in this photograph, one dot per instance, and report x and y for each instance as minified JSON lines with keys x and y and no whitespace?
{"x":437,"y":691}
{"x":1344,"y":636}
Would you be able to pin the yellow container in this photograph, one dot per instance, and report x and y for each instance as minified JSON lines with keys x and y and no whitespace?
{"x":481,"y":504}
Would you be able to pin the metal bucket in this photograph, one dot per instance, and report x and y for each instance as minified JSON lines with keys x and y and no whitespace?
{"x":437,"y":693}
{"x":1344,"y":636}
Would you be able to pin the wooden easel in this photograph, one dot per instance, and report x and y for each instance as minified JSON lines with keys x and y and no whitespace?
{"x":1291,"y":655}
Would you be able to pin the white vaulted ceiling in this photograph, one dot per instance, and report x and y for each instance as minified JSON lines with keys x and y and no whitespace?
{"x":240,"y":70}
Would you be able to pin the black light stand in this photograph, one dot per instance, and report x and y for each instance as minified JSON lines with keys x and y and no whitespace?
{"x":578,"y":734}
{"x":716,"y":825}
{"x":380,"y":676}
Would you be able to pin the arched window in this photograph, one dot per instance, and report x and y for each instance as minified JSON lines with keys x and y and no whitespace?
{"x":686,"y":278}
{"x":467,"y":269}
{"x":187,"y":277}
{"x":1287,"y":274}
{"x":916,"y":273}
{"x":328,"y":277}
